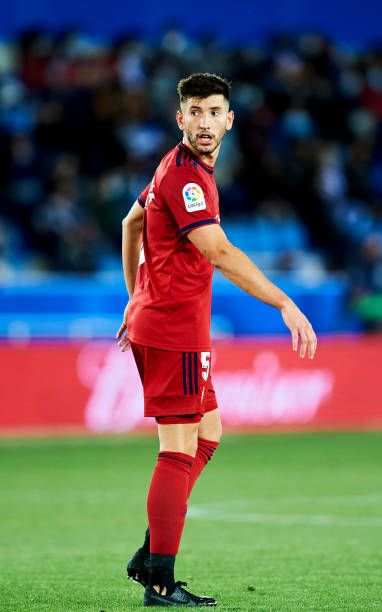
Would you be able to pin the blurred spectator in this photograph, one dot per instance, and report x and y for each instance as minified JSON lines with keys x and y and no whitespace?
{"x":67,"y":234}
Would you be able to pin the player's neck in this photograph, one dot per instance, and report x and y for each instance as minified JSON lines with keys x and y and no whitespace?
{"x":208,"y":159}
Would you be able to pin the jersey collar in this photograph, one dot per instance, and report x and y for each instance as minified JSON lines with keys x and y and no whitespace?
{"x":186,"y":150}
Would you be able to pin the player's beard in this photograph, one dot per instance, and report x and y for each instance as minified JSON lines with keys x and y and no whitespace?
{"x":205,"y":150}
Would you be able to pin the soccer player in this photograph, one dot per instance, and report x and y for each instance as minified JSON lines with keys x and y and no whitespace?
{"x":172,"y":241}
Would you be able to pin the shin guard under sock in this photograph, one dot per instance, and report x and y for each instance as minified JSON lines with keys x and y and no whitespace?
{"x":206,"y":449}
{"x":167,"y":501}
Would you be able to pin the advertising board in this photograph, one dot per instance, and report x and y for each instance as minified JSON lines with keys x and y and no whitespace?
{"x":58,"y":387}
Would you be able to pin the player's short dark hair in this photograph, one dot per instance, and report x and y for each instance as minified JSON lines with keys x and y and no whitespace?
{"x":201,"y":85}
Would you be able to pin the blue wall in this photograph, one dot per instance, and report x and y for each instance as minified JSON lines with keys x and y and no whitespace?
{"x":68,"y":306}
{"x":351,"y":21}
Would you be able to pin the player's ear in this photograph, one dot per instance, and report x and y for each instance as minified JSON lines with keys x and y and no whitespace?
{"x":179,"y":119}
{"x":230,"y":118}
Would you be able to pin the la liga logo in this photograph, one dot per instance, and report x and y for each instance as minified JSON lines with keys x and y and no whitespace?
{"x":193,"y":197}
{"x":193,"y":193}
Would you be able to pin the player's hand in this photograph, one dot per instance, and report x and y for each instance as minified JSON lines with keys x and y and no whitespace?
{"x":300,"y":328}
{"x":124,"y":343}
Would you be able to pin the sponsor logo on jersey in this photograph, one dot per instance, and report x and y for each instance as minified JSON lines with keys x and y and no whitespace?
{"x":193,"y":197}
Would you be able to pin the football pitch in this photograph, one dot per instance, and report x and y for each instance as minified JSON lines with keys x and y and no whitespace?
{"x":276,"y":522}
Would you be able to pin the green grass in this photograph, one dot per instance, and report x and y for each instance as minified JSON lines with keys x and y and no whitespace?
{"x":276,"y":522}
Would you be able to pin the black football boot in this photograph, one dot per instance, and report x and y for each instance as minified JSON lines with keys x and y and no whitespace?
{"x":178,"y":597}
{"x":138,"y":568}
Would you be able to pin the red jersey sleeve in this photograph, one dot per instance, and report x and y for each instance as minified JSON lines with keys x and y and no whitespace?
{"x":142,"y":198}
{"x":189,"y":199}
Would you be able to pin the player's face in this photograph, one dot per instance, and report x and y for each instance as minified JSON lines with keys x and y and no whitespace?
{"x":204,"y":121}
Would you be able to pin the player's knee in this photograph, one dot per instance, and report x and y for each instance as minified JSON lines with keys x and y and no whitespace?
{"x":211,"y":427}
{"x":190,"y":441}
{"x":213,"y":431}
{"x":191,"y":447}
{"x":188,"y":446}
{"x":179,"y":438}
{"x":216,"y":432}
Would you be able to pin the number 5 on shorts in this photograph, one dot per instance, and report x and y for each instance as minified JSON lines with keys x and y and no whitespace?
{"x":205,"y":357}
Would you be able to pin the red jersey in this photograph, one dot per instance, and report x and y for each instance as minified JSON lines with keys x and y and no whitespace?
{"x":171,"y":305}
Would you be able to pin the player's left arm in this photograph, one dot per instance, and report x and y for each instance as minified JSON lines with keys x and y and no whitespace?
{"x":212,"y":242}
{"x":131,"y":244}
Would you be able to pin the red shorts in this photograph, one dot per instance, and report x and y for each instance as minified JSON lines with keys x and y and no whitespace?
{"x":177,"y":385}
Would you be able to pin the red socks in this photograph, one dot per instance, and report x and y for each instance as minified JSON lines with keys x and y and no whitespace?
{"x":206,"y":449}
{"x":174,"y":477}
{"x":167,"y":501}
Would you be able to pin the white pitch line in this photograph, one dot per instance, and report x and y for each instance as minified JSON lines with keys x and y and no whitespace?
{"x":195,"y":512}
{"x":354,"y":499}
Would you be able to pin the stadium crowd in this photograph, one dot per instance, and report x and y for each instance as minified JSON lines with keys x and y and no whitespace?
{"x":83,"y":123}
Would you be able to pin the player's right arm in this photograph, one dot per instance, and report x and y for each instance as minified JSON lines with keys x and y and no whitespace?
{"x":212,"y":242}
{"x":131,"y":244}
